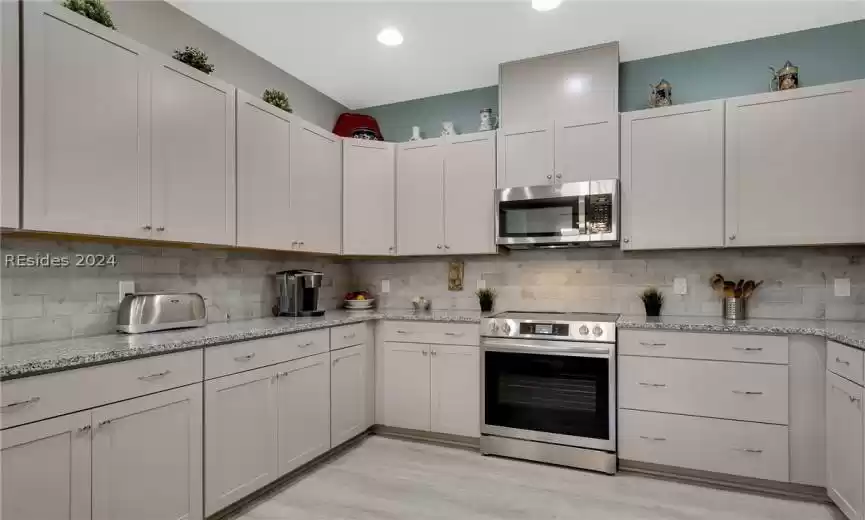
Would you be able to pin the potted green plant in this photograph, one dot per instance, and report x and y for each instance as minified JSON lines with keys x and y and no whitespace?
{"x":277,"y":98}
{"x":653,"y":300}
{"x":486,"y":298}
{"x":195,"y":58}
{"x":93,"y":9}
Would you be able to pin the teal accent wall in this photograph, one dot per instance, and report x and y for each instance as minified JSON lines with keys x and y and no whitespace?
{"x":824,"y":55}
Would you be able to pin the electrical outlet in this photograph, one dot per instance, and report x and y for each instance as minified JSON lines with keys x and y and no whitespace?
{"x":680,"y":285}
{"x":385,"y":286}
{"x":842,"y":287}
{"x":482,"y":284}
{"x":125,"y":287}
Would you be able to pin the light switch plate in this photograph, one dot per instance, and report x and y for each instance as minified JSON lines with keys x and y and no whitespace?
{"x":125,"y":287}
{"x":385,"y":286}
{"x":842,"y":287}
{"x":482,"y":284}
{"x":680,"y":285}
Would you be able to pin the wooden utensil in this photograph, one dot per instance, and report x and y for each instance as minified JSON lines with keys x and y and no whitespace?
{"x":737,"y":292}
{"x":747,"y":289}
{"x":747,"y":294}
{"x":729,"y":289}
{"x":717,"y":284}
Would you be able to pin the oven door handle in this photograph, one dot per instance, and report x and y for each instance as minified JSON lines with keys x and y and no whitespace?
{"x":550,"y":350}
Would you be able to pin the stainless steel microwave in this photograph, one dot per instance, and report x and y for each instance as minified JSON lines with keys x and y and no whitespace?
{"x":558,"y":215}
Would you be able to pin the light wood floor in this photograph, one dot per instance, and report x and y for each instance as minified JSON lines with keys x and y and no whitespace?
{"x":388,"y":479}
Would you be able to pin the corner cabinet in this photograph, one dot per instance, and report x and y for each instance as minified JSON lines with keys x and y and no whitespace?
{"x":10,"y":203}
{"x":369,"y":200}
{"x":845,"y":445}
{"x":794,"y":163}
{"x":445,"y":195}
{"x":673,"y":177}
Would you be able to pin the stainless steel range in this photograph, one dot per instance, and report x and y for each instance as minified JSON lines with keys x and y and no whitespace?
{"x":548,"y":388}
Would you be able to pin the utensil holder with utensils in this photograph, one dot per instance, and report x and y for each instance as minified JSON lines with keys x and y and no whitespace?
{"x":734,"y":296}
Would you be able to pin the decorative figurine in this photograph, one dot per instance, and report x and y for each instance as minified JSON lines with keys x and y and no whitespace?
{"x":661,"y":95}
{"x":456,"y":271}
{"x":487,"y":120}
{"x":786,"y":78}
{"x":448,"y":129}
{"x":415,"y":133}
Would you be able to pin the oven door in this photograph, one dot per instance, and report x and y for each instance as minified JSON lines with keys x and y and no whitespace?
{"x":532,"y":215}
{"x":549,"y":391}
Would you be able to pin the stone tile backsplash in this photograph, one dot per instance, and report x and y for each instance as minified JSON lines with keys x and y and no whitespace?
{"x":44,"y":303}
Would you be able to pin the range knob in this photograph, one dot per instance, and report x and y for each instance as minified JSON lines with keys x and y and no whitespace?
{"x":584,"y":331}
{"x":506,"y":328}
{"x":597,"y":331}
{"x":494,"y":327}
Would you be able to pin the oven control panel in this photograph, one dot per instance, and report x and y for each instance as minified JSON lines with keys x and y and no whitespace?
{"x":541,"y":329}
{"x":545,"y":329}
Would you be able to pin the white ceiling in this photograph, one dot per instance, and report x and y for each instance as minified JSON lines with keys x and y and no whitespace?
{"x":456,"y":45}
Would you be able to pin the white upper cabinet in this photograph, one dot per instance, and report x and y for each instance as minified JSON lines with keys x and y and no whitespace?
{"x":87,"y":127}
{"x":46,"y":470}
{"x":526,"y":155}
{"x":348,"y":393}
{"x":587,"y":150}
{"x":9,"y":121}
{"x":303,"y":402}
{"x":369,"y":199}
{"x":470,"y":182}
{"x":420,"y":197}
{"x":794,"y":166}
{"x":263,"y":174}
{"x":844,"y":445}
{"x":673,"y":177}
{"x":147,"y":457}
{"x":455,"y":390}
{"x":193,"y":156}
{"x":316,"y":188}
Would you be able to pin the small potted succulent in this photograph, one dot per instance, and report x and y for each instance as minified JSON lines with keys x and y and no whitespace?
{"x":93,"y":9}
{"x":195,"y":58}
{"x":277,"y":98}
{"x":653,"y":300}
{"x":486,"y":299}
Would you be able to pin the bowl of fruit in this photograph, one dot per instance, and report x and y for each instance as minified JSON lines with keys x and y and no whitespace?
{"x":359,"y":300}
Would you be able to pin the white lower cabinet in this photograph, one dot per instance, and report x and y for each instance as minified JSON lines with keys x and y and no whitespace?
{"x":845,"y":445}
{"x":348,"y":393}
{"x":147,"y":457}
{"x":46,"y":470}
{"x":241,"y":446}
{"x":303,"y":401}
{"x":406,"y":385}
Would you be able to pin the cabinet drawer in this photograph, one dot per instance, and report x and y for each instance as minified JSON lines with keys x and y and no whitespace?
{"x":845,"y":361}
{"x":732,"y":447}
{"x":743,"y":391}
{"x":691,"y":345}
{"x":246,"y":355}
{"x":435,"y":333}
{"x":39,"y":397}
{"x":347,"y":336}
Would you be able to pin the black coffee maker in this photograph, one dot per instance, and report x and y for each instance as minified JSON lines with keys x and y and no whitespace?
{"x":298,"y":293}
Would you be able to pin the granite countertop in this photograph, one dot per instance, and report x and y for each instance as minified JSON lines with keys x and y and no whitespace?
{"x":851,"y":333}
{"x":29,"y":359}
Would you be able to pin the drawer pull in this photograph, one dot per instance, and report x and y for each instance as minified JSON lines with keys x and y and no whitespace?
{"x":349,"y":336}
{"x":748,"y":450}
{"x":308,"y":344}
{"x":154,"y":376}
{"x":853,"y":399}
{"x":748,"y":349}
{"x":246,"y":357}
{"x":654,"y":385}
{"x":842,"y":361}
{"x":12,"y":406}
{"x":402,"y":332}
{"x":85,"y":428}
{"x":746,"y":392}
{"x":653,"y":438}
{"x":106,"y":422}
{"x":649,"y":344}
{"x":453,"y":334}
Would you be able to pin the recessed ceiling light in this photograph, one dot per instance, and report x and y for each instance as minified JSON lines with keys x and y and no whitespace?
{"x":545,"y":5}
{"x":390,"y":36}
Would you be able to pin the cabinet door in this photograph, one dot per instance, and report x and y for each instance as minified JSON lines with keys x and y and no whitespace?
{"x":420,"y":198}
{"x":455,"y":390}
{"x":525,"y":155}
{"x":845,"y":445}
{"x":316,"y":188}
{"x":348,"y":384}
{"x":587,"y":150}
{"x":667,"y":200}
{"x":303,"y":408}
{"x":406,"y":386}
{"x":369,"y":200}
{"x":46,"y":470}
{"x":470,"y":183}
{"x":147,"y":457}
{"x":794,"y":163}
{"x":240,"y":418}
{"x":263,"y":175}
{"x":86,"y":126}
{"x":9,"y":121}
{"x":193,"y":156}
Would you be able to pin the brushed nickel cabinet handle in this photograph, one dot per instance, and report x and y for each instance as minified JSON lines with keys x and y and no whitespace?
{"x":85,"y":428}
{"x":627,"y":240}
{"x":402,"y":332}
{"x":842,"y":361}
{"x":424,"y":352}
{"x":154,"y":376}
{"x":653,"y":438}
{"x":438,"y":246}
{"x":746,"y":392}
{"x":748,"y":450}
{"x":307,"y":344}
{"x":433,"y":352}
{"x":246,"y":357}
{"x":654,"y":385}
{"x":454,"y":334}
{"x":335,"y":361}
{"x":106,"y":422}
{"x":733,"y":236}
{"x":650,"y":344}
{"x":12,"y":406}
{"x":160,"y":228}
{"x":349,"y":336}
{"x":852,"y":398}
{"x":748,"y":349}
{"x":146,"y":227}
{"x":549,"y":176}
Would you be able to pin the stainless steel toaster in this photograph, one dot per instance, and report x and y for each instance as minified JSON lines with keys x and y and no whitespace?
{"x":149,"y":312}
